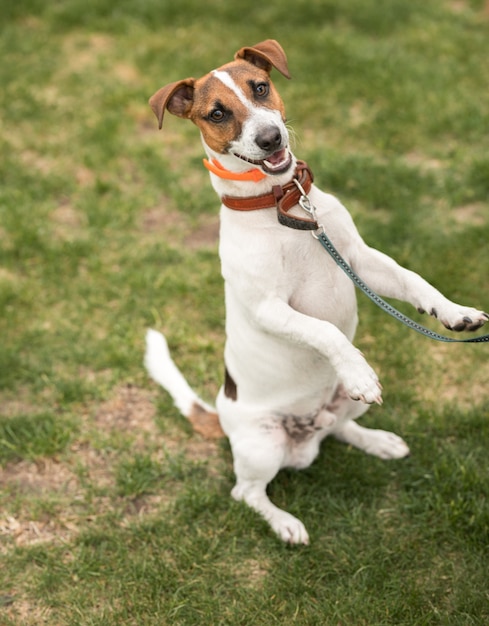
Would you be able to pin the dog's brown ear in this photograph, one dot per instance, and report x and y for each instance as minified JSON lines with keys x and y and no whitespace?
{"x":266,"y":55}
{"x":177,"y":97}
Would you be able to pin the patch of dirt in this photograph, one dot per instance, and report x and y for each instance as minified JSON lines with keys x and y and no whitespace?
{"x":84,"y":176}
{"x":21,"y":402}
{"x":160,"y":219}
{"x":130,"y":410}
{"x":81,"y":52}
{"x":422,"y":161}
{"x":28,"y":533}
{"x":68,"y":223}
{"x":205,"y":236}
{"x":361,"y":114}
{"x":39,"y":477}
{"x":251,"y":573}
{"x":65,"y":481}
{"x":470,"y":215}
{"x":453,"y":376}
{"x":459,"y":6}
{"x":126,"y":73}
{"x":6,"y":276}
{"x":94,"y":465}
{"x":39,"y":162}
{"x":144,"y":506}
{"x":26,"y":612}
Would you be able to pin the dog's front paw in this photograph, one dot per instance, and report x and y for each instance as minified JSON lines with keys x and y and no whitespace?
{"x":456,"y":317}
{"x":360,"y":381}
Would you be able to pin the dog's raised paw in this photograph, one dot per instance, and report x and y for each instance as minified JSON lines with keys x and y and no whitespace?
{"x":361,"y":382}
{"x":460,"y":318}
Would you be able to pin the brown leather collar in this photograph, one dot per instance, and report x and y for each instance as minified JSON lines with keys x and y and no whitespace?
{"x":284,"y":198}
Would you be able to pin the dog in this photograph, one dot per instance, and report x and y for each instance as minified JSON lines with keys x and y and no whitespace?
{"x":292,"y":373}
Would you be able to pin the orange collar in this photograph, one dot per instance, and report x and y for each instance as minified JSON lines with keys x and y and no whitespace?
{"x":254,"y":175}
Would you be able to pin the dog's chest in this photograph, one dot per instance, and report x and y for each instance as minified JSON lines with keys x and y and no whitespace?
{"x":262,"y":258}
{"x":316,"y":285}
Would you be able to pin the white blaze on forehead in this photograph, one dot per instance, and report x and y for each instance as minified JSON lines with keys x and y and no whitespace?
{"x":226,"y":80}
{"x":255,"y":120}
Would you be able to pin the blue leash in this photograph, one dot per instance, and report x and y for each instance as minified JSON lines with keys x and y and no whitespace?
{"x":385,"y":306}
{"x":324,"y":240}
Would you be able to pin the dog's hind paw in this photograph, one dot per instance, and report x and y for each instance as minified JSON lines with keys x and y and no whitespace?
{"x":386,"y":445}
{"x":289,"y":528}
{"x":381,"y":443}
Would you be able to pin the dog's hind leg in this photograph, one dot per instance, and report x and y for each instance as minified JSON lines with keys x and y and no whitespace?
{"x":379,"y":443}
{"x":252,"y":490}
{"x":258,"y":456}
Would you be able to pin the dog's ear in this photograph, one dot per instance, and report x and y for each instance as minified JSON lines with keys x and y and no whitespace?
{"x":266,"y":55}
{"x":177,"y":97}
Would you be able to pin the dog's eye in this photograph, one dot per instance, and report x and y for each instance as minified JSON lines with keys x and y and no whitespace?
{"x":217,"y":115}
{"x":262,"y":90}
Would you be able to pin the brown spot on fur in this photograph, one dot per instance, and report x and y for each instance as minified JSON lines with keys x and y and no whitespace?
{"x":206,"y":423}
{"x":209,"y":92}
{"x":230,"y":388}
{"x":244,"y":77}
{"x":266,"y":55}
{"x":197,"y":100}
{"x":340,"y":395}
{"x":301,"y":428}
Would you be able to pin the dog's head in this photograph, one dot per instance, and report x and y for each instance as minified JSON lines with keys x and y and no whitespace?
{"x":236,"y":107}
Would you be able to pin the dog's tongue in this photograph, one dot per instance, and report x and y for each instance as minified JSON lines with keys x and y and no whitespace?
{"x":277,"y":157}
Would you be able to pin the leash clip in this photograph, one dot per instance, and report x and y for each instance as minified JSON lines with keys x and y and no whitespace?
{"x":307,"y":206}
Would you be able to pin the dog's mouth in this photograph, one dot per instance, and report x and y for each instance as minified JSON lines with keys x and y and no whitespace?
{"x":277,"y":163}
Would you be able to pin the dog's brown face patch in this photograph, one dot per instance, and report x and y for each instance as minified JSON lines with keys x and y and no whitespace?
{"x":220,"y":110}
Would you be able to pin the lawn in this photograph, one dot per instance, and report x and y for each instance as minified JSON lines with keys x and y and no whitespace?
{"x":111,"y":510}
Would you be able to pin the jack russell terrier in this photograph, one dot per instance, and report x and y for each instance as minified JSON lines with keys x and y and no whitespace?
{"x":292,"y":373}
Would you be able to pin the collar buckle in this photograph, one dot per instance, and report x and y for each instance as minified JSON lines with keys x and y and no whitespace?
{"x":283,"y":198}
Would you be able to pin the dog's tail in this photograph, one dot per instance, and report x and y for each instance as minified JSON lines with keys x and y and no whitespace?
{"x":163,"y":370}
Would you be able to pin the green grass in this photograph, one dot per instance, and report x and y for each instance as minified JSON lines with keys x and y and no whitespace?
{"x":111,"y":510}
{"x":31,"y":436}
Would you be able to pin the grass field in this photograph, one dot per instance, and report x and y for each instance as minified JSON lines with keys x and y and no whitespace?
{"x":111,"y":510}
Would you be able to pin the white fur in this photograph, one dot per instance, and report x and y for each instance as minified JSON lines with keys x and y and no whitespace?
{"x":228,"y":82}
{"x":259,"y":118}
{"x":163,"y":370}
{"x":291,"y":316}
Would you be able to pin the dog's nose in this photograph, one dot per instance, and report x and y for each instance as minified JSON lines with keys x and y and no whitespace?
{"x":269,"y":139}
